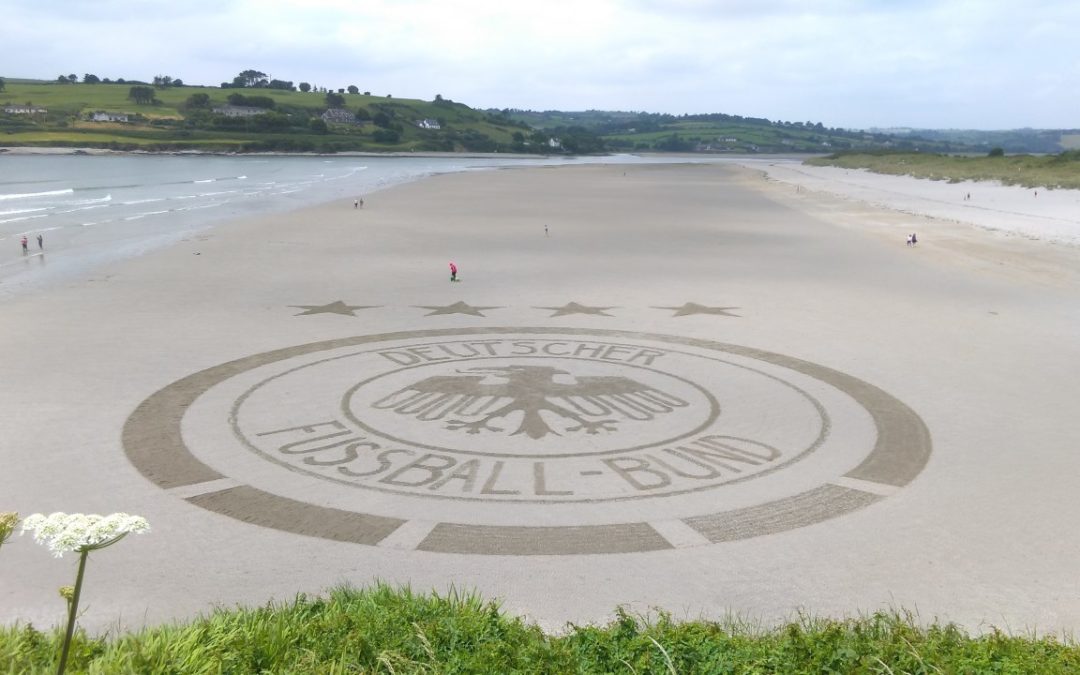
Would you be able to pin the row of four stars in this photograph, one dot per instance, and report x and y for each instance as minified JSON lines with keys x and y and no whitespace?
{"x":460,"y":307}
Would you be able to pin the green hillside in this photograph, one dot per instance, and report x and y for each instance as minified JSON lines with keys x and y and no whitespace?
{"x":717,"y":132}
{"x":189,"y":117}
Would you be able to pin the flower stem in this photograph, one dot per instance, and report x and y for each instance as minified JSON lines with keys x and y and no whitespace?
{"x":73,"y":609}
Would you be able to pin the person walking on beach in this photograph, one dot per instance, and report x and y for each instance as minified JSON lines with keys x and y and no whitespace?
{"x":356,"y":203}
{"x":40,"y":243}
{"x":545,"y":230}
{"x":24,"y":244}
{"x":453,"y":271}
{"x":909,"y":240}
{"x":914,"y":239}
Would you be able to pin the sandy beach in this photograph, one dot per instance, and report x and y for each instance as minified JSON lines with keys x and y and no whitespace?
{"x":699,"y":388}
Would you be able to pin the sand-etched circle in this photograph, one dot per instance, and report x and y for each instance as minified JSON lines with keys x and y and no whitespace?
{"x":526,"y":441}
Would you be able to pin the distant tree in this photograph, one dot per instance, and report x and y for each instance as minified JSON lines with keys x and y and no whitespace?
{"x":162,"y":81}
{"x":91,"y":79}
{"x":196,"y":101}
{"x":284,"y":85}
{"x":381,"y":119}
{"x":305,"y":87}
{"x":261,"y":102}
{"x":141,"y":95}
{"x":250,"y":78}
{"x":341,"y":90}
{"x":73,"y":78}
{"x":334,"y":100}
{"x":353,"y":89}
{"x":3,"y":85}
{"x":178,"y":82}
{"x":237,"y":99}
{"x":362,"y":114}
{"x":367,"y":93}
{"x":62,"y":79}
{"x":318,"y":126}
{"x":120,"y":80}
{"x":996,"y":152}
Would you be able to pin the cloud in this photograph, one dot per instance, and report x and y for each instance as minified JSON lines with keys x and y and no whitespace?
{"x":845,"y":63}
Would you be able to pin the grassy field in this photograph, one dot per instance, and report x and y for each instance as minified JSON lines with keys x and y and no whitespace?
{"x":386,"y":630}
{"x":1048,"y":172}
{"x":166,"y":125}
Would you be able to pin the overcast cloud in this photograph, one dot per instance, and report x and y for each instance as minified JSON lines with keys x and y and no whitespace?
{"x":883,"y":63}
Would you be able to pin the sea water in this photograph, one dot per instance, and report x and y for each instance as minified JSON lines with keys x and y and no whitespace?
{"x":92,"y":209}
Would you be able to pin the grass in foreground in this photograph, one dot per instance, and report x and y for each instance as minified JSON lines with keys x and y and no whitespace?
{"x":1049,"y":171}
{"x":387,"y":630}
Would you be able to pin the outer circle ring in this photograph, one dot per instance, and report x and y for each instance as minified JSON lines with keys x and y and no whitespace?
{"x":153,"y":442}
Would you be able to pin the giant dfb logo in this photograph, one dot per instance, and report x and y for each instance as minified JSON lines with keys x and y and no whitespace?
{"x":527,"y":440}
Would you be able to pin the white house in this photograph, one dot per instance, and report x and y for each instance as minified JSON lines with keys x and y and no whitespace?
{"x":338,"y":116}
{"x":24,"y":110}
{"x":428,"y":123}
{"x":239,"y":111}
{"x":100,"y":116}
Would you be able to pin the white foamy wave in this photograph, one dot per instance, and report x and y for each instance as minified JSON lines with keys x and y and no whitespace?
{"x":139,"y":216}
{"x":201,"y":206}
{"x":18,"y":211}
{"x":99,"y":200}
{"x":143,"y":201}
{"x":86,"y":208}
{"x":205,"y":180}
{"x":31,"y":195}
{"x":22,"y":218}
{"x":214,"y":194}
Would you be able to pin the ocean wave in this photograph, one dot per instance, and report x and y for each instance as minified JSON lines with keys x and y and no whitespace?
{"x":31,"y":195}
{"x":18,"y":211}
{"x":22,"y":218}
{"x":143,"y":201}
{"x":139,"y":216}
{"x":99,"y":200}
{"x":85,"y":208}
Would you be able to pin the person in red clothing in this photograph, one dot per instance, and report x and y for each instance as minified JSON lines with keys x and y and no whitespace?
{"x":453,"y":271}
{"x":24,"y":243}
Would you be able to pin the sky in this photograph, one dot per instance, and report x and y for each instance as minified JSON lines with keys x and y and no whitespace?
{"x":877,"y":63}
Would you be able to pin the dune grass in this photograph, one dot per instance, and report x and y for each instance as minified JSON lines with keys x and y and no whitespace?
{"x":1033,"y":171}
{"x":393,"y":630}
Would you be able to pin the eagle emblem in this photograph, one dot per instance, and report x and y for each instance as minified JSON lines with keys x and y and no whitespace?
{"x":472,"y":399}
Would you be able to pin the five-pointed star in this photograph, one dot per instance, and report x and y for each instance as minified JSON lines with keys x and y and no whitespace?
{"x":694,"y":308}
{"x":336,"y":307}
{"x":575,"y":308}
{"x":458,"y":307}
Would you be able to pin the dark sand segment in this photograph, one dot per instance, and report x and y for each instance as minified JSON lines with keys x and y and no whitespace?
{"x":979,"y":351}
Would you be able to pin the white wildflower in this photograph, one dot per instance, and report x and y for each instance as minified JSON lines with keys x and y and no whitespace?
{"x":63,"y":532}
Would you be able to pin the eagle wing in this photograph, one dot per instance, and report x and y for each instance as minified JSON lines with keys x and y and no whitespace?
{"x":595,"y":396}
{"x":435,"y":397}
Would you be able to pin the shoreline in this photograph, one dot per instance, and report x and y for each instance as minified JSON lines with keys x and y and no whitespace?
{"x":1050,"y":216}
